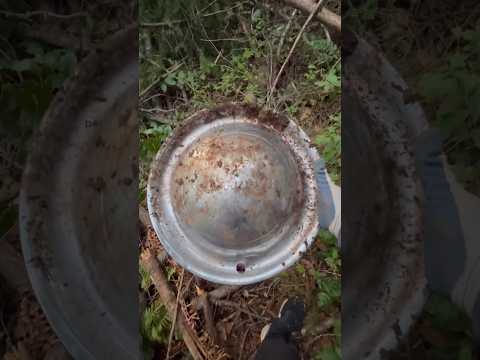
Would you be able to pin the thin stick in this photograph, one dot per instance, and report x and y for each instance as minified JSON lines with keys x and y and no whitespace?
{"x":292,"y":49}
{"x":28,"y":15}
{"x":207,"y":312}
{"x":327,"y":17}
{"x":172,"y":328}
{"x":151,"y":264}
{"x":240,"y":308}
{"x":217,"y":294}
{"x":285,"y":32}
{"x":168,"y":23}
{"x":242,"y":345}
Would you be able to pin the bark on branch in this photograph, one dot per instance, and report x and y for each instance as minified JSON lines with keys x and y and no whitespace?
{"x":151,"y":264}
{"x":327,"y":17}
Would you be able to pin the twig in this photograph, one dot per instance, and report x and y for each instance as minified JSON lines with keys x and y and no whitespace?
{"x":161,"y":284}
{"x":239,"y":308}
{"x":224,"y":39}
{"x":327,"y":17}
{"x":217,"y":294}
{"x":45,"y":14}
{"x":204,"y":305}
{"x":242,"y":345}
{"x":172,"y":22}
{"x":174,"y":321}
{"x":172,"y":69}
{"x":144,"y":217}
{"x":322,"y":328}
{"x":54,"y":36}
{"x":161,"y":24}
{"x":285,"y":32}
{"x":223,"y":291}
{"x":275,"y":82}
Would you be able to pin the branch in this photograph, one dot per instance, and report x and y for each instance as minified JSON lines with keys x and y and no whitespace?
{"x":312,"y":14}
{"x":327,"y":17}
{"x":217,"y":294}
{"x":53,"y":36}
{"x":168,"y":299}
{"x":45,"y":14}
{"x":204,"y":305}
{"x":174,"y":321}
{"x":171,"y":22}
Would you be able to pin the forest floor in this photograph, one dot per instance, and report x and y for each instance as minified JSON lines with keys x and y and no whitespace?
{"x":235,"y":58}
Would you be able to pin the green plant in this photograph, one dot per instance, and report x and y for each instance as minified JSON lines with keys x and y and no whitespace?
{"x":333,"y":351}
{"x":444,"y":317}
{"x":328,"y":283}
{"x":155,"y":324}
{"x":329,"y":353}
{"x":329,"y":144}
{"x":329,"y":289}
{"x":145,"y":279}
{"x":30,"y":75}
{"x":358,"y":16}
{"x":171,"y":271}
{"x":152,"y":137}
{"x":452,"y":94}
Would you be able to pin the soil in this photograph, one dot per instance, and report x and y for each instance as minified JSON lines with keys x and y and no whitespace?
{"x":240,"y":317}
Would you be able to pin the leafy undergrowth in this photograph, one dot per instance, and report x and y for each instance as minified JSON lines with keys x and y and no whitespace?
{"x":442,"y":332}
{"x":439,"y":58}
{"x":228,"y":52}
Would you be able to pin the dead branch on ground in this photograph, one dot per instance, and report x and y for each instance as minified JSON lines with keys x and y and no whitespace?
{"x":327,"y":17}
{"x":217,"y":294}
{"x":190,"y":339}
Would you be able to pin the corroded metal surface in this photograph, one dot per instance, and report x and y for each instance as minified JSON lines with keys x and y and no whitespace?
{"x":79,"y":206}
{"x":232,"y":194}
{"x":383,"y":285}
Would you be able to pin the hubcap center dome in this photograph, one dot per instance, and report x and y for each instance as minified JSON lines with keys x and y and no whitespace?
{"x":235,"y":189}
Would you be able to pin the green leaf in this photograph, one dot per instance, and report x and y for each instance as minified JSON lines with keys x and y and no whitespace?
{"x":34,"y":48}
{"x":23,"y":65}
{"x":329,"y":353}
{"x":437,"y":85}
{"x":445,"y":315}
{"x":457,"y":61}
{"x":329,"y":290}
{"x":466,"y":351}
{"x":300,"y":269}
{"x":155,"y":324}
{"x":170,"y":80}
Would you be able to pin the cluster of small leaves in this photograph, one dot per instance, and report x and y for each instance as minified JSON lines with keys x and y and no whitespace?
{"x":332,"y":352}
{"x":155,"y":324}
{"x":443,"y":315}
{"x":359,"y":15}
{"x":325,"y":69}
{"x":329,"y":292}
{"x":453,"y":94}
{"x":183,"y":30}
{"x":329,"y":144}
{"x":329,"y":287}
{"x":30,"y":74}
{"x":152,"y":136}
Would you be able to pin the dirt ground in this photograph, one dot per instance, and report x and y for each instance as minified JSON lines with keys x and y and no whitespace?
{"x":240,"y":317}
